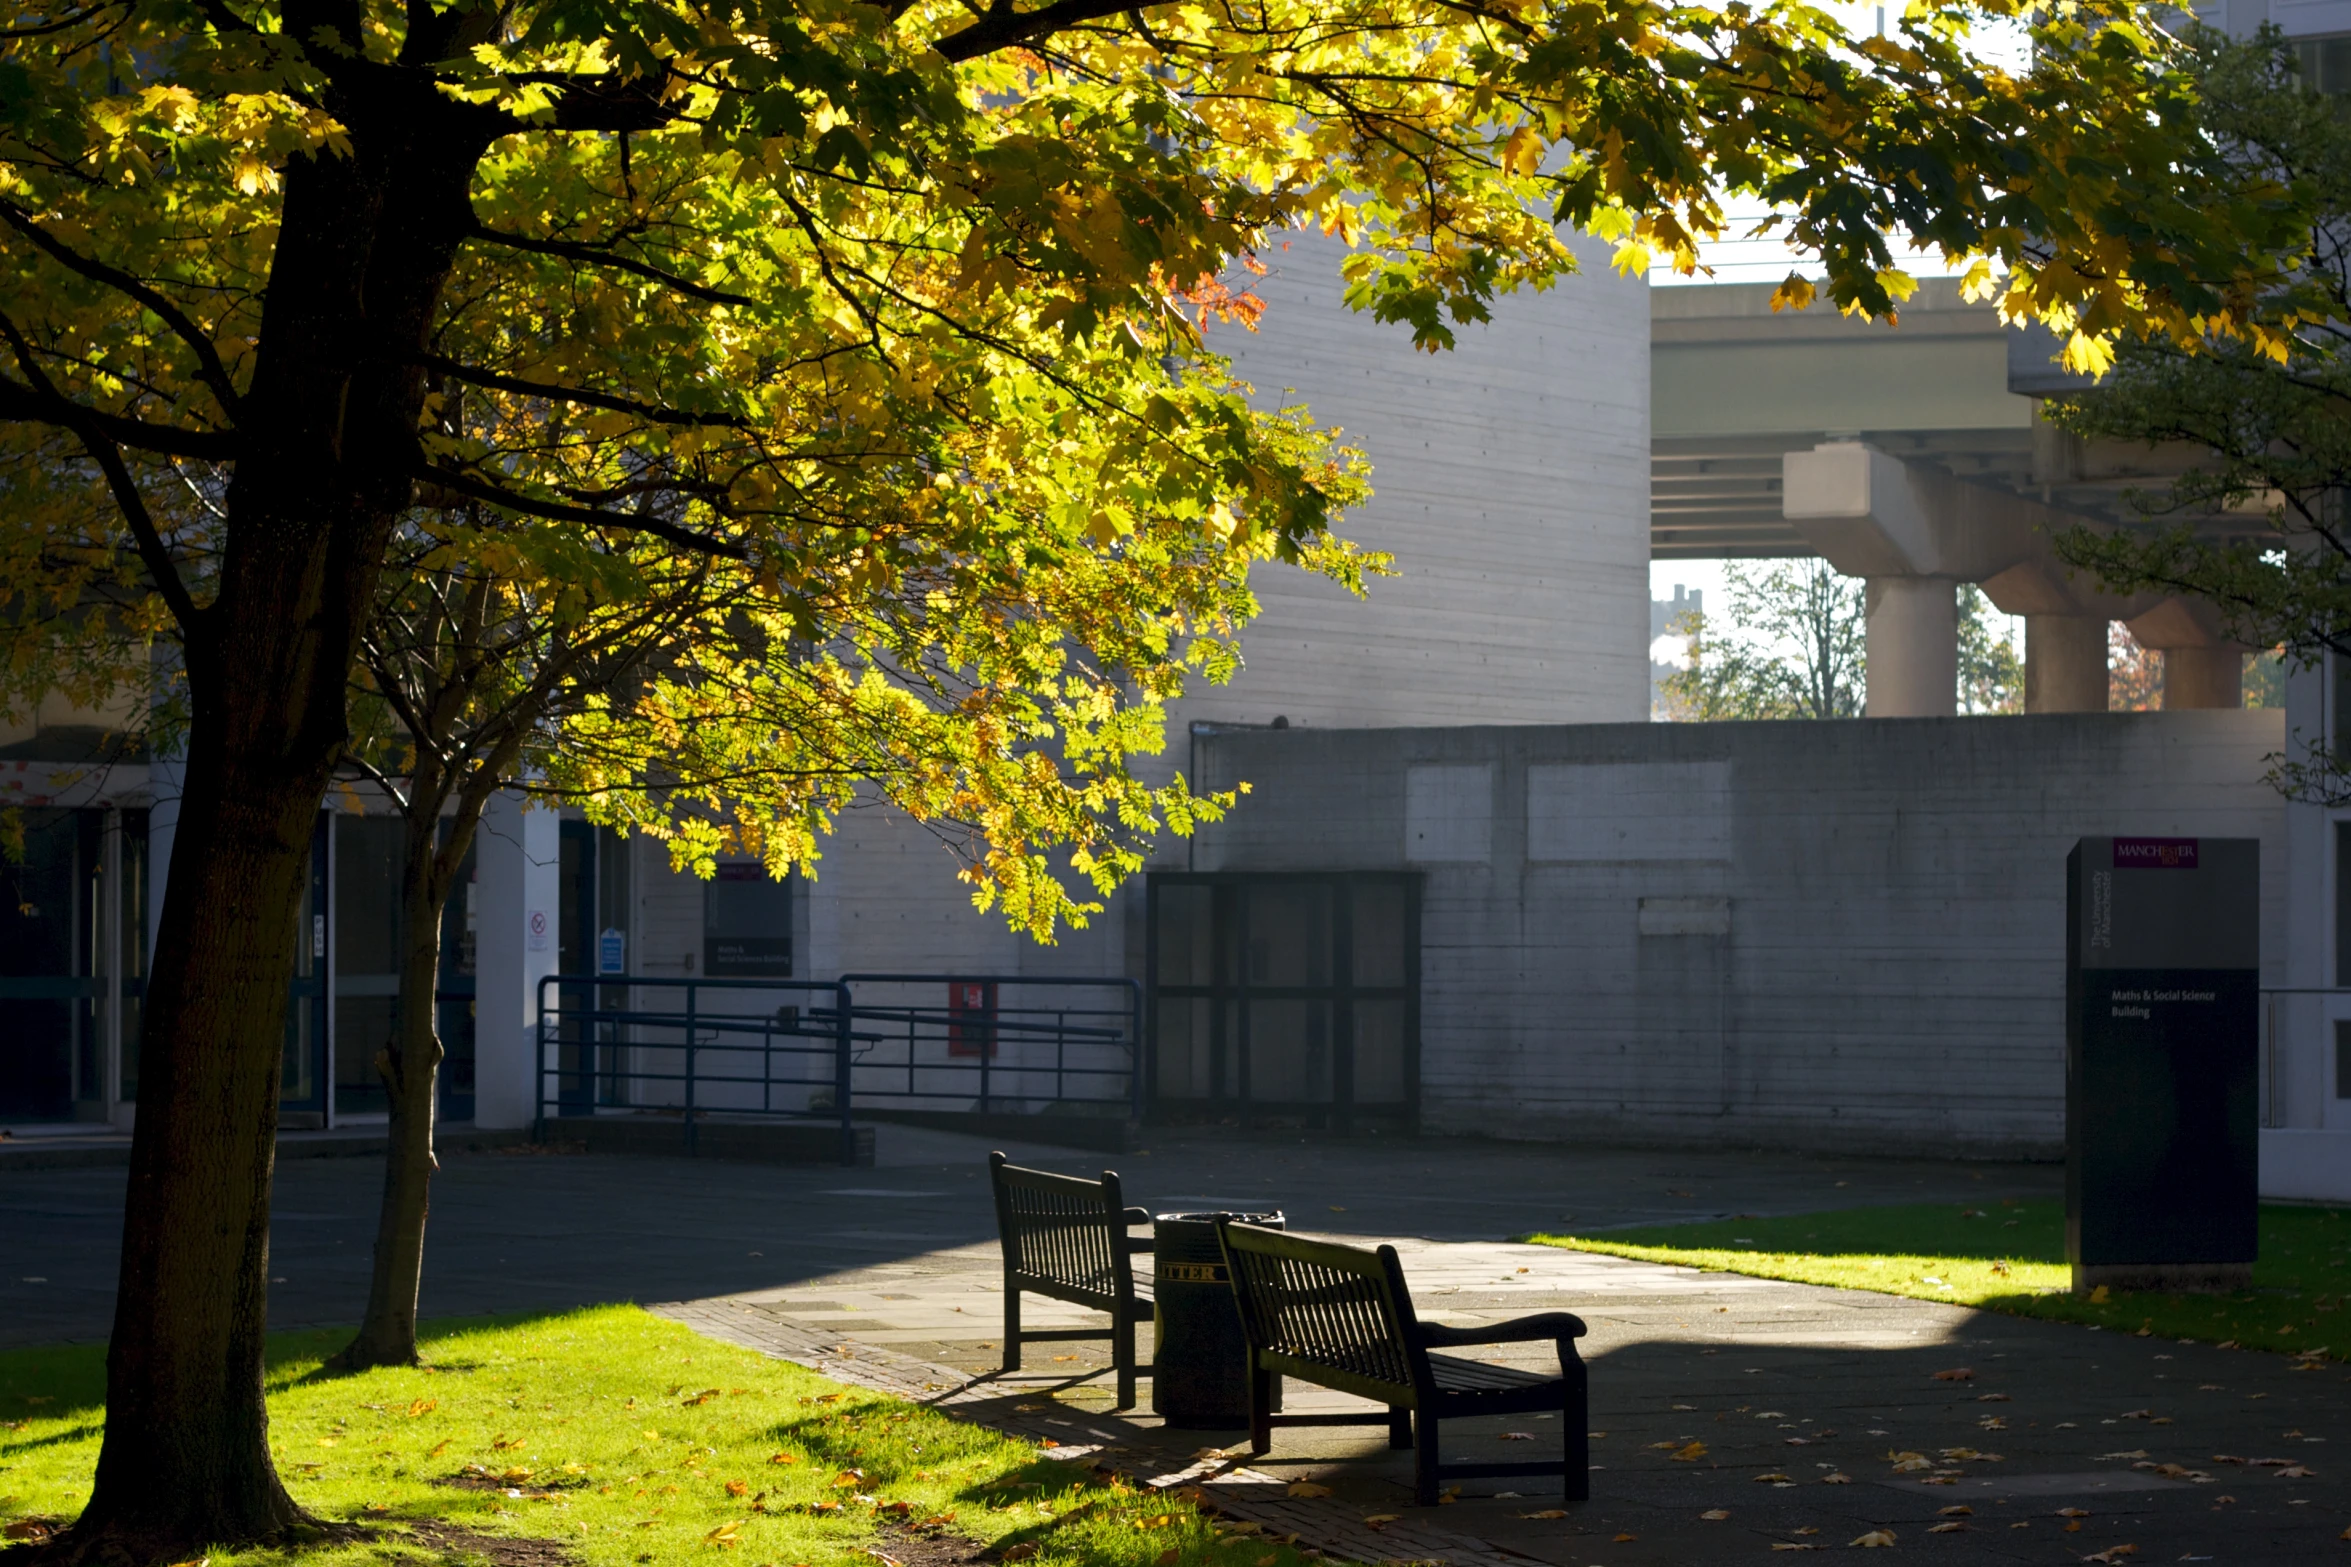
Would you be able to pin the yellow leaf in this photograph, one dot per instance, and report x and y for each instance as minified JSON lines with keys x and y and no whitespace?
{"x":1873,"y":1540}
{"x":1690,"y":1454}
{"x":423,"y":1406}
{"x":2090,"y":356}
{"x":1794,"y":293}
{"x":443,"y":1448}
{"x":737,"y":1488}
{"x":783,"y":1458}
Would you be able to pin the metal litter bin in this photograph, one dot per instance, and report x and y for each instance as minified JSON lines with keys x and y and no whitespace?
{"x":1200,"y":1365}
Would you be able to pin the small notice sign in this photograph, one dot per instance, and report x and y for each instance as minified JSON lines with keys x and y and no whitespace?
{"x":536,"y":931}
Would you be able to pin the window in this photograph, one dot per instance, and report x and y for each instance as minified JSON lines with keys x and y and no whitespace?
{"x":2325,"y":64}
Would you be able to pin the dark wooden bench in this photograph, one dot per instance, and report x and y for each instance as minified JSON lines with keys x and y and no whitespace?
{"x":1067,"y":1238}
{"x":1342,"y":1318}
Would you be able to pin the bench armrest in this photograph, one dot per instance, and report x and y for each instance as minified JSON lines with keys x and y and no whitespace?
{"x":1137,"y":1216}
{"x":1554,"y":1325}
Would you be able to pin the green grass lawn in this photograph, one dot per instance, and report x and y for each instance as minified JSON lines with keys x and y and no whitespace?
{"x":2010,"y":1256}
{"x":626,"y":1439}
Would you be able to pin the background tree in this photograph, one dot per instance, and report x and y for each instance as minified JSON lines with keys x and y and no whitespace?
{"x":2268,"y":414}
{"x":1794,"y":648}
{"x":1991,"y":671}
{"x":802,"y":290}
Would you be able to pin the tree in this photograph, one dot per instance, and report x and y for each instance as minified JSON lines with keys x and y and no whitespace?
{"x":880,"y":306}
{"x":2135,"y":674}
{"x":2256,"y":528}
{"x":1991,"y":672}
{"x":1795,"y":650}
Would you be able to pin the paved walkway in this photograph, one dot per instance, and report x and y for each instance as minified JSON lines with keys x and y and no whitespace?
{"x":897,"y":1265}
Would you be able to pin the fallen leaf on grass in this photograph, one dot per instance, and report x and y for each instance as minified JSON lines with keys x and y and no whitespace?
{"x":1028,"y":1548}
{"x":848,"y":1479}
{"x":724,"y":1535}
{"x":502,"y":1444}
{"x":1307,"y":1488}
{"x":783,"y":1458}
{"x":443,"y":1448}
{"x":423,"y":1406}
{"x":1874,"y":1539}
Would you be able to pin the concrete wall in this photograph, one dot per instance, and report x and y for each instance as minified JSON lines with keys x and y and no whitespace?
{"x":1844,"y":935}
{"x":1511,"y":480}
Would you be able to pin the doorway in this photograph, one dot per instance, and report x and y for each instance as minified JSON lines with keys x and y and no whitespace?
{"x":1285,"y":998}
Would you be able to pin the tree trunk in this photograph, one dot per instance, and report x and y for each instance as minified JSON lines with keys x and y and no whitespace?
{"x":410,"y":1067}
{"x":329,"y":424}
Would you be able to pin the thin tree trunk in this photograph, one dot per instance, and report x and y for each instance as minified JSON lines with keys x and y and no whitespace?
{"x":410,"y":1068}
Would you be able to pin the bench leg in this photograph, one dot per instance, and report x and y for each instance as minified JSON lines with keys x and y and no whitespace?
{"x":1011,"y":1328}
{"x":1260,"y":1412}
{"x":1424,"y":1459}
{"x":1399,"y":1426}
{"x":1575,"y":1411}
{"x":1122,"y":1355}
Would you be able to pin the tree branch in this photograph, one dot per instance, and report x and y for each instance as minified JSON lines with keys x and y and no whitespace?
{"x":1002,"y":27}
{"x":44,"y":404}
{"x":655,"y":412}
{"x":480,"y":489}
{"x":209,"y":369}
{"x":590,"y":255}
{"x":127,"y":498}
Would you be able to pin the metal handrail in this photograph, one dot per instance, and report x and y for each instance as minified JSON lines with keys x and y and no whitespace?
{"x":832,"y":1026}
{"x":852,"y":1034}
{"x":1134,"y":1009}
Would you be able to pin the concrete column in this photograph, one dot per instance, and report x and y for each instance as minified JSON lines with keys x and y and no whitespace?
{"x":518,"y":866}
{"x":2204,"y":676}
{"x":1913,"y":647}
{"x":2064,"y":664}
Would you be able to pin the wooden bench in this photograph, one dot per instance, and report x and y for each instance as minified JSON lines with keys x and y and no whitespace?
{"x":1342,"y":1318}
{"x":1067,"y":1238}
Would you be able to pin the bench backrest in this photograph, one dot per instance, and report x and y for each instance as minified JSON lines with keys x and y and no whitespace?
{"x":1336,"y":1315}
{"x":1063,"y":1236}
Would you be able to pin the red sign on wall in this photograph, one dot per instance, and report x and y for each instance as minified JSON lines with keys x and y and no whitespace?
{"x":971,"y":1017}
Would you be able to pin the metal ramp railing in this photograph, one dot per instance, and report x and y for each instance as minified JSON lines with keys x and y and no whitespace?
{"x":820,"y":1050}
